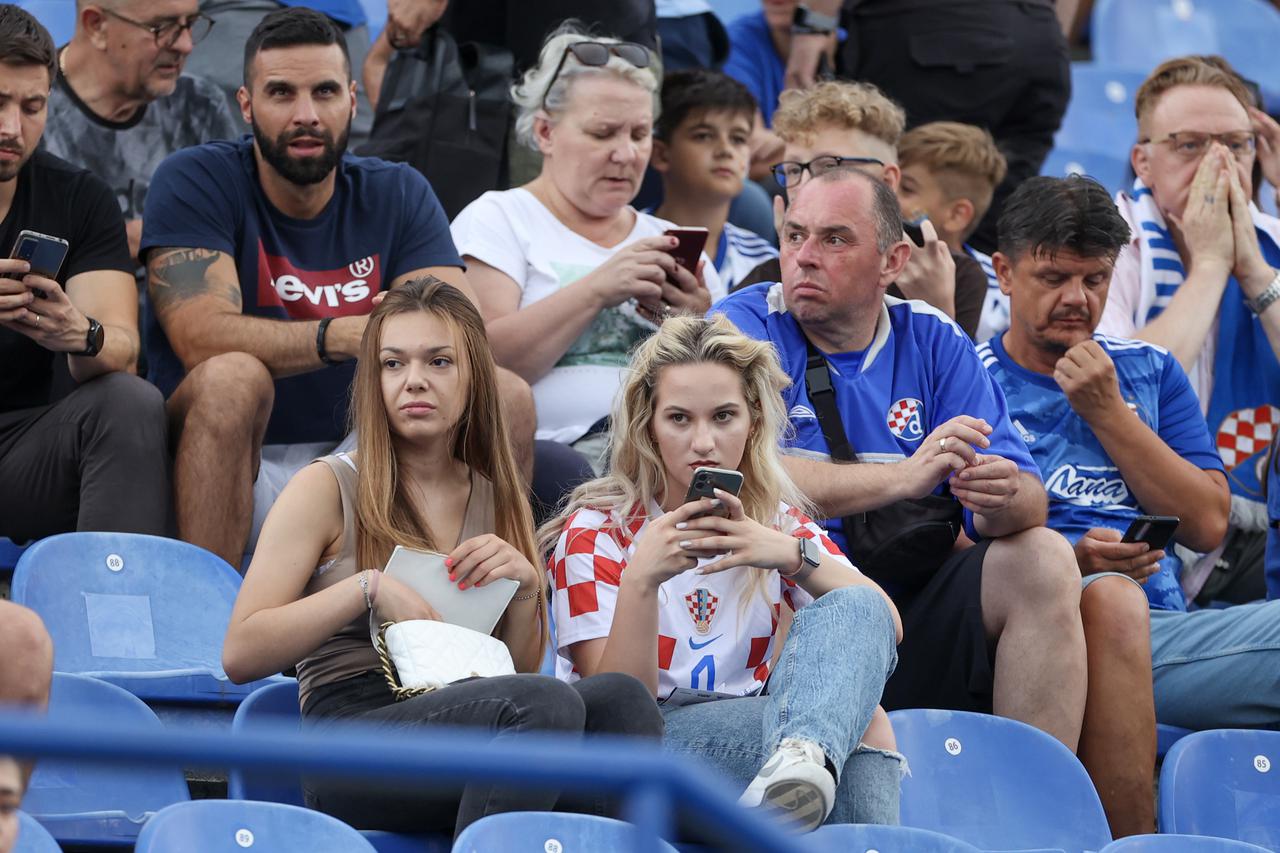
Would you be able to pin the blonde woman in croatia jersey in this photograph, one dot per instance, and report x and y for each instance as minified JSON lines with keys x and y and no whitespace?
{"x":689,"y":601}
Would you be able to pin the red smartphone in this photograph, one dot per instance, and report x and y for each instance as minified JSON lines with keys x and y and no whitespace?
{"x":688,"y":252}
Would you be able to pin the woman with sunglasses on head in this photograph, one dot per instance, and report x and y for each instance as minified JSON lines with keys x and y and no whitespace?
{"x":658,"y":587}
{"x":434,"y":472}
{"x":569,"y":276}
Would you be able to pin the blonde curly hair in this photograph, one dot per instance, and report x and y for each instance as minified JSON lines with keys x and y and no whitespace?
{"x":847,"y":105}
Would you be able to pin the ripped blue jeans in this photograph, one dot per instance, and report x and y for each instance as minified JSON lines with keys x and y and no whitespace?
{"x":834,"y":664}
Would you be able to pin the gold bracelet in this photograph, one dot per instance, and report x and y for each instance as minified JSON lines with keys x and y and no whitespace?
{"x":537,"y":592}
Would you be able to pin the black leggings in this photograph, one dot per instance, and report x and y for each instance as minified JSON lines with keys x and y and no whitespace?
{"x":610,"y":703}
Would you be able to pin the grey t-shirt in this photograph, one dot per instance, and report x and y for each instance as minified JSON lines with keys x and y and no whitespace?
{"x":125,"y":154}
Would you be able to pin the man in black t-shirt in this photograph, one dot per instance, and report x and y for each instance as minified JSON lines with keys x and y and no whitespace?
{"x":82,"y":442}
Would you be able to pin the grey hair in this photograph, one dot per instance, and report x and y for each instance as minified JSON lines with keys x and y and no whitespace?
{"x":528,"y":93}
{"x":884,"y":204}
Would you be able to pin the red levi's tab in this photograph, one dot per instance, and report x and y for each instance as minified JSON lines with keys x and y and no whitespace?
{"x":347,"y":291}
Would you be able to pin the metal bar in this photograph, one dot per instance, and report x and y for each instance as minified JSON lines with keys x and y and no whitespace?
{"x":611,"y":765}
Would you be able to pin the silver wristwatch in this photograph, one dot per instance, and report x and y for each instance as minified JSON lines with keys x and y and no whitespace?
{"x":1264,"y":299}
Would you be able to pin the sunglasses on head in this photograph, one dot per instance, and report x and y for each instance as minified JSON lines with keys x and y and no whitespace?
{"x":595,"y":54}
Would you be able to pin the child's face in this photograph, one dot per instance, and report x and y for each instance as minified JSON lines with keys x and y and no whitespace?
{"x":920,"y":195}
{"x":708,"y":153}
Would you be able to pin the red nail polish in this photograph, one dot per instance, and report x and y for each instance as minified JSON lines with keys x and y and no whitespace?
{"x":462,"y":585}
{"x":448,"y":561}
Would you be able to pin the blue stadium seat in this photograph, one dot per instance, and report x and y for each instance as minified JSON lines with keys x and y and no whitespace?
{"x":534,"y":832}
{"x":10,"y":551}
{"x":1167,"y":736}
{"x":143,"y":612}
{"x":273,"y":703}
{"x":1100,"y":117}
{"x":1223,"y":783}
{"x":233,"y":826}
{"x":376,"y":13}
{"x":1179,"y":844}
{"x":866,"y":838}
{"x":1111,"y":172}
{"x":87,"y":803}
{"x":58,"y":17}
{"x":998,"y":784}
{"x":1140,"y":34}
{"x":34,"y":838}
{"x":277,"y":703}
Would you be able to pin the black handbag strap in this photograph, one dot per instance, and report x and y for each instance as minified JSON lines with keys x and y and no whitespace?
{"x":822,"y":394}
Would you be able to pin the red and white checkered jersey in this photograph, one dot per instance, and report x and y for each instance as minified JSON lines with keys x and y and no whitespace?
{"x":708,"y":637}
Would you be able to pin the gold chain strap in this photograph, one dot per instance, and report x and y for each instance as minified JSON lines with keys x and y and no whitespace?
{"x":389,"y":668}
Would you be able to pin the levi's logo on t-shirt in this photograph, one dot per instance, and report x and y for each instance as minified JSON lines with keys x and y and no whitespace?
{"x":313,"y":294}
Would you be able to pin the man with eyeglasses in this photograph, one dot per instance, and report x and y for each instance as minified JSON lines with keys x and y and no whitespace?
{"x":845,"y":125}
{"x":121,"y":104}
{"x":1201,"y":278}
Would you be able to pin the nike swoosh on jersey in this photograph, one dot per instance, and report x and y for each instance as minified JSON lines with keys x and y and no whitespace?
{"x":696,"y":646}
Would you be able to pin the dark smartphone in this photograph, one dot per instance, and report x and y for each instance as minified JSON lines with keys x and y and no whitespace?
{"x":682,"y":696}
{"x":689,"y":250}
{"x":45,"y":254}
{"x":1155,"y":530}
{"x":706,"y":480}
{"x":913,"y":232}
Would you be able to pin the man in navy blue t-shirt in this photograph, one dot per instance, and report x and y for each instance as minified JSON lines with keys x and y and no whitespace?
{"x":992,"y":626}
{"x":264,"y":257}
{"x":1116,"y":428}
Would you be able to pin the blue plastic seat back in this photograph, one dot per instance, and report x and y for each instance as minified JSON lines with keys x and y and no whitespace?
{"x":143,"y":612}
{"x":10,"y":551}
{"x":1167,"y":736}
{"x":865,"y":838}
{"x":34,"y":838}
{"x":58,"y":17}
{"x":1111,"y":172}
{"x":1100,"y":117}
{"x":99,"y":803}
{"x":1224,"y":783}
{"x":234,"y":826}
{"x":275,"y":703}
{"x":534,"y":832}
{"x":1179,"y":844}
{"x":1140,"y":34}
{"x":998,"y":784}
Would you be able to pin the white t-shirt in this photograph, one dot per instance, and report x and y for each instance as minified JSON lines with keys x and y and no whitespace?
{"x":514,"y":233}
{"x":708,"y":637}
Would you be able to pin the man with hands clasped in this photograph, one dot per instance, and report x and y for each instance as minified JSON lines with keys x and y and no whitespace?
{"x":1116,"y":430}
{"x":996,"y":626}
{"x":1201,"y":275}
{"x":82,"y":443}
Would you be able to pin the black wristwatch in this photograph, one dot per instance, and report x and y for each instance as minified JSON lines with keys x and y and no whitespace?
{"x":806,"y":22}
{"x":94,"y":339}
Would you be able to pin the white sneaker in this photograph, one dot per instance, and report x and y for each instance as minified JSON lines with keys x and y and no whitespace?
{"x":794,"y":781}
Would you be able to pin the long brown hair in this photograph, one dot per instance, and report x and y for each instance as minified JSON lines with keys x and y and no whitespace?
{"x":385,"y":514}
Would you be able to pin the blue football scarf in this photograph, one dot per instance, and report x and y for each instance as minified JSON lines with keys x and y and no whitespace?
{"x":1242,"y":411}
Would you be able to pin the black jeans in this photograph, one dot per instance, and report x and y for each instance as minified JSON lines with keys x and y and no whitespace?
{"x":610,"y":703}
{"x":97,"y":459}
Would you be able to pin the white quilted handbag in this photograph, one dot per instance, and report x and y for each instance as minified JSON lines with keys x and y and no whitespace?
{"x":427,"y":655}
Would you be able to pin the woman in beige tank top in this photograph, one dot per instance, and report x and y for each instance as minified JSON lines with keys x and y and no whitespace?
{"x":433,"y":471}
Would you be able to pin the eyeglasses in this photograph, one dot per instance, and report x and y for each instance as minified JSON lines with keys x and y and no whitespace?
{"x":790,"y":173}
{"x":596,"y":54}
{"x":1192,"y":144}
{"x":167,"y":33}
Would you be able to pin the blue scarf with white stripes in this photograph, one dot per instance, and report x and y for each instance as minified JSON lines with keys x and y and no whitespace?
{"x":1242,"y":410}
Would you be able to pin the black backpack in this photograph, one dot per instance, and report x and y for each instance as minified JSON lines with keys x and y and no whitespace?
{"x":445,"y":109}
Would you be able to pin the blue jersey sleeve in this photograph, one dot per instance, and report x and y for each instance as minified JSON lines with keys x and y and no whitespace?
{"x":1182,"y":426}
{"x":191,"y":203}
{"x":424,"y":239}
{"x":966,"y":388}
{"x":745,"y":309}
